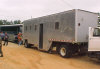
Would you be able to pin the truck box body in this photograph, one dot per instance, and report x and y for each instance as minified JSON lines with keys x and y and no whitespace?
{"x":69,"y":26}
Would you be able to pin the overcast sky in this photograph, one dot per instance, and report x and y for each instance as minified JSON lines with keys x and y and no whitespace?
{"x":25,"y":9}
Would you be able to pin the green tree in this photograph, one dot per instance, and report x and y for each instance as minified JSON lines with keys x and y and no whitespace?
{"x":4,"y":22}
{"x":1,"y":23}
{"x":17,"y":22}
{"x":8,"y":23}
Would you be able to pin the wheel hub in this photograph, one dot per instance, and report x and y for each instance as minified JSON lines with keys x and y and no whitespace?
{"x":63,"y":51}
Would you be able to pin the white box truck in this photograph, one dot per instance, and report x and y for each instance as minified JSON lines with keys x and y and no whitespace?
{"x":67,"y":31}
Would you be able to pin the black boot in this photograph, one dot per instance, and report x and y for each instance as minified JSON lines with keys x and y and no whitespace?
{"x":1,"y":56}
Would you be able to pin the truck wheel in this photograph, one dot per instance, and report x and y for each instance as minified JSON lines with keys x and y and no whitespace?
{"x":26,"y":44}
{"x":64,"y":51}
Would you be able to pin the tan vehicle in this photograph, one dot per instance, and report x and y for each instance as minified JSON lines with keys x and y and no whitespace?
{"x":67,"y":31}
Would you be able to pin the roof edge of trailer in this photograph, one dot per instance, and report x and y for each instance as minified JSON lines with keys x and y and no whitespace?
{"x":61,"y":13}
{"x":49,"y":15}
{"x":87,"y":11}
{"x":11,"y":25}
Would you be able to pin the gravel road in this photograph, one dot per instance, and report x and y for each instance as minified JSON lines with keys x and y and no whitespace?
{"x":18,"y":57}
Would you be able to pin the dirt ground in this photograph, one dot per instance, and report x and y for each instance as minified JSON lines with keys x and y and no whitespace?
{"x":18,"y":57}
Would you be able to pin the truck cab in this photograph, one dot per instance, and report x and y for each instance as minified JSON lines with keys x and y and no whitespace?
{"x":94,"y":42}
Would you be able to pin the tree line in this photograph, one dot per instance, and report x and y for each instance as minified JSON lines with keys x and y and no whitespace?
{"x":5,"y":22}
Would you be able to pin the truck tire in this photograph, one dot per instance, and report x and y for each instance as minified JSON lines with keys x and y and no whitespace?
{"x":26,"y":44}
{"x":64,"y":51}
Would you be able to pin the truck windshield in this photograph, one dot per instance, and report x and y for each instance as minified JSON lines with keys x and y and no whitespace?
{"x":96,"y":32}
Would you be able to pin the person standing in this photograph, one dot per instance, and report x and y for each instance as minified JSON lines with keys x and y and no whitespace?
{"x":2,"y":35}
{"x":6,"y":37}
{"x":19,"y":38}
{"x":1,"y":47}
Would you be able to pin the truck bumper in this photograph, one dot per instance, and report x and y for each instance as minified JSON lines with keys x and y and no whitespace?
{"x":94,"y":54}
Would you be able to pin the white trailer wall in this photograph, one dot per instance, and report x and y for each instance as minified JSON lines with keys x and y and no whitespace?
{"x":85,"y":19}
